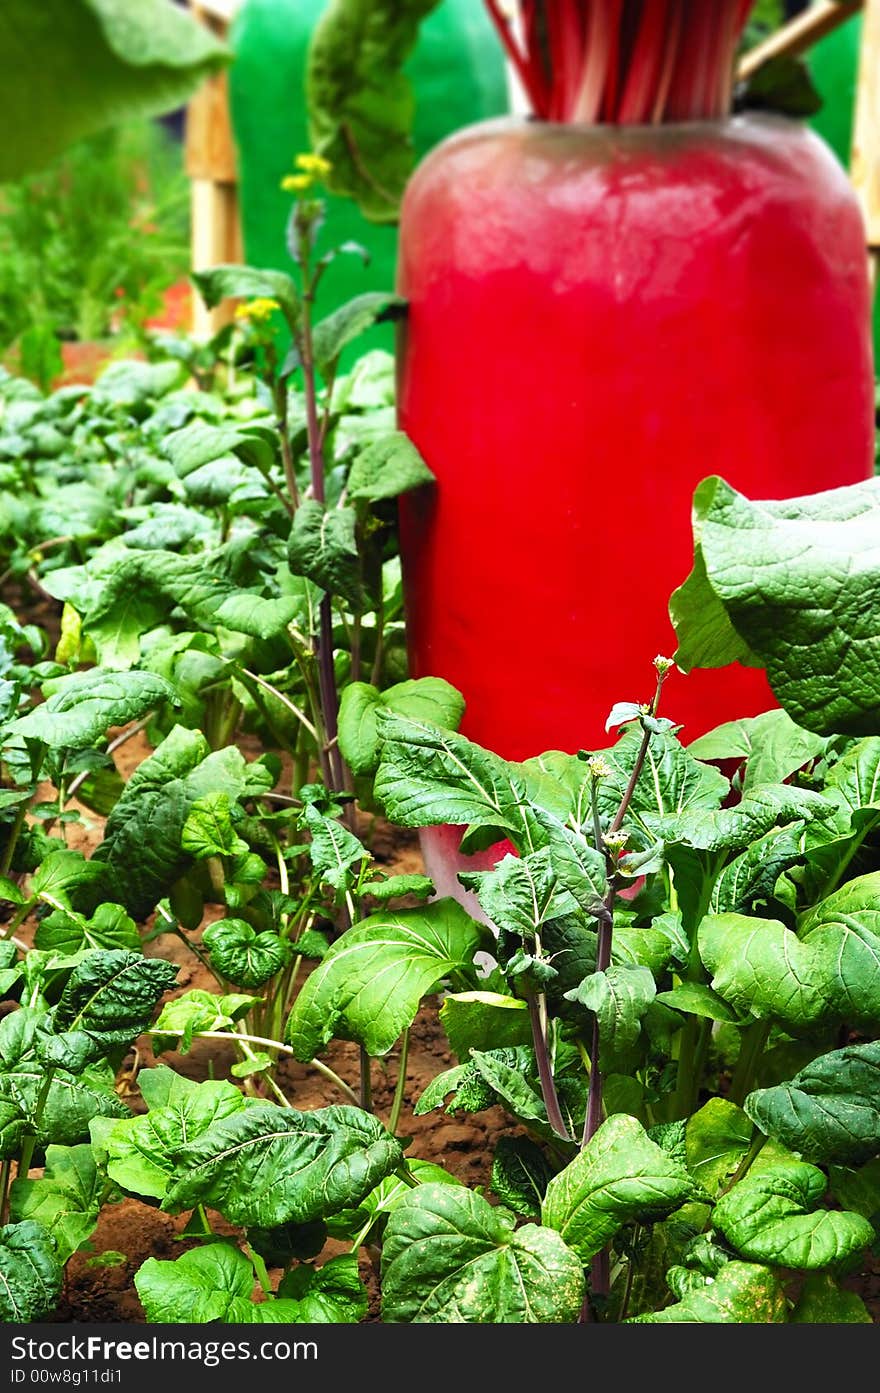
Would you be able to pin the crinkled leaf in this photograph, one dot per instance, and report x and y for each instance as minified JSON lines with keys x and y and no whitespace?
{"x":429,"y":699}
{"x":66,"y":1200}
{"x":140,"y":1150}
{"x":520,"y":1175}
{"x":67,"y":932}
{"x":242,"y":955}
{"x":620,"y":1175}
{"x":111,"y":995}
{"x":335,"y":853}
{"x":830,"y":1111}
{"x":195,"y":1011}
{"x":741,"y":1294}
{"x":268,"y":1165}
{"x":208,"y":830}
{"x":387,"y":467}
{"x":772,"y":1217}
{"x":331,"y":1294}
{"x":450,"y":1257}
{"x":322,"y":547}
{"x":84,"y":705}
{"x":31,"y":1274}
{"x":619,"y":996}
{"x":370,"y":982}
{"x":796,"y":579}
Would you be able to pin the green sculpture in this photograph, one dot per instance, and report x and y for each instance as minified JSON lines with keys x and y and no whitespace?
{"x":458,"y":76}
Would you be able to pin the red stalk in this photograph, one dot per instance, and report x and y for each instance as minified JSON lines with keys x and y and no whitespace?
{"x":640,"y":92}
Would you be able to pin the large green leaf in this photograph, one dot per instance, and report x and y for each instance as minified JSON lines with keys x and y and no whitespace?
{"x":517,"y":895}
{"x":267,"y":1165}
{"x":772,"y":745}
{"x":242,"y":955}
{"x":83,"y":706}
{"x":386,"y":468}
{"x":450,"y":1257}
{"x":335,"y":853}
{"x":823,"y":1302}
{"x":828,"y":972}
{"x":772,"y":1217}
{"x":72,"y":1100}
{"x":620,"y":1175}
{"x":65,"y":1200}
{"x":66,"y":932}
{"x":72,"y":67}
{"x":717,"y":1139}
{"x":332,"y":334}
{"x":619,"y":996}
{"x":360,"y":103}
{"x":830,"y":1111}
{"x":140,"y":1150}
{"x":429,"y":699}
{"x":798,"y":581}
{"x":483,"y":1021}
{"x":728,"y":829}
{"x":741,"y":1294}
{"x":111,"y":995}
{"x":369,"y":984}
{"x":214,"y":1285}
{"x":322,"y":546}
{"x":30,"y":1273}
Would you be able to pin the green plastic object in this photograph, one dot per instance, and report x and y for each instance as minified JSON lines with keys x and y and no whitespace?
{"x":834,"y":65}
{"x":458,"y":75}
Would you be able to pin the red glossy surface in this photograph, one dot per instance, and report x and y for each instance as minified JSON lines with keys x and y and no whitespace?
{"x":599,"y":318}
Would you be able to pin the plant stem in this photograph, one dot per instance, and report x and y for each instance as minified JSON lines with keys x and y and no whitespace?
{"x":14,"y":834}
{"x":545,"y":1071}
{"x":323,"y":1069}
{"x":280,"y":402}
{"x":397,"y":1101}
{"x":754,"y":1038}
{"x":365,"y":1100}
{"x":28,"y":1146}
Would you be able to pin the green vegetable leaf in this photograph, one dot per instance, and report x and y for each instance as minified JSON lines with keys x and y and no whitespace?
{"x":196,"y":1011}
{"x":332,"y":1294}
{"x":369,"y":984}
{"x":428,"y":699}
{"x":619,"y":1176}
{"x":66,"y":932}
{"x":483,"y":1021}
{"x":741,"y":1294}
{"x":386,"y":468}
{"x":249,"y":282}
{"x":520,"y":1175}
{"x":72,"y":67}
{"x":140,"y":1150}
{"x":772,"y":744}
{"x":322,"y":547}
{"x":30,"y":1273}
{"x":243,"y":956}
{"x":792,"y":577}
{"x":84,"y":706}
{"x":450,"y":1257}
{"x":348,"y":322}
{"x":335,"y":853}
{"x":268,"y":1165}
{"x":772,"y":1217}
{"x":823,"y":1302}
{"x":360,"y":103}
{"x":66,"y":1200}
{"x":830,"y":1111}
{"x":394,"y":886}
{"x":111,"y":996}
{"x":619,"y":996}
{"x":214,"y":1285}
{"x":208,"y":830}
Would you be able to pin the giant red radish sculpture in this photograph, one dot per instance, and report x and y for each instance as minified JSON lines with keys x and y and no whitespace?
{"x":609,"y":300}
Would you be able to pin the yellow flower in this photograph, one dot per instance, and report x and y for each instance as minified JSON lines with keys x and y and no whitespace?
{"x":315,"y":165}
{"x":257,"y":310}
{"x":297,"y":183}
